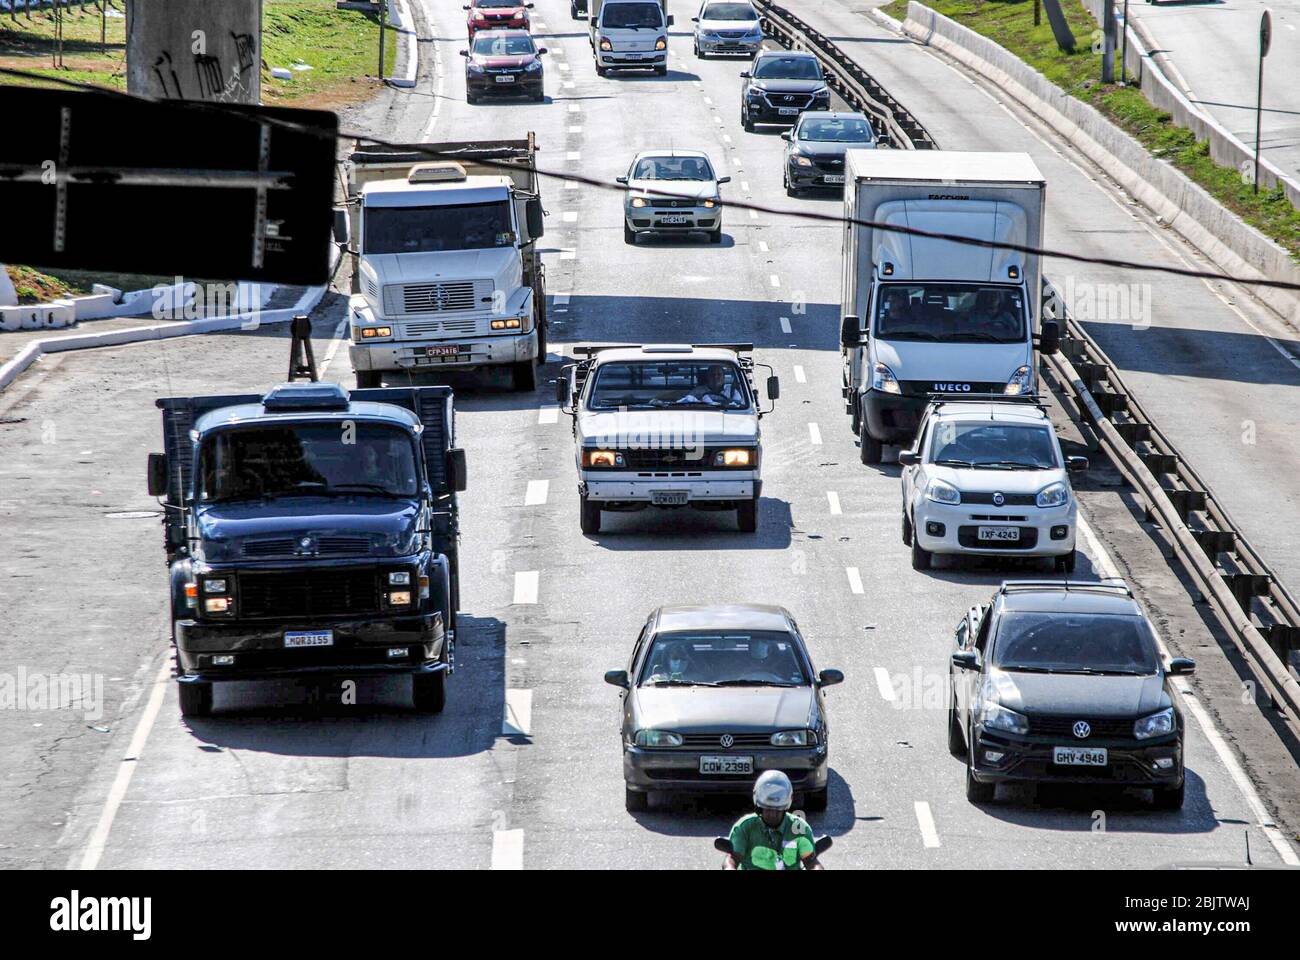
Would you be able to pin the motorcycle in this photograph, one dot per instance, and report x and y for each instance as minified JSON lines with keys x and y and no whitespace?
{"x":723,"y":845}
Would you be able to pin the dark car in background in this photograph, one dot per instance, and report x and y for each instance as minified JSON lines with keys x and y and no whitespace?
{"x":504,"y":63}
{"x":715,"y":695}
{"x":496,"y":15}
{"x":779,"y":86}
{"x":815,"y":148}
{"x":1063,"y":682}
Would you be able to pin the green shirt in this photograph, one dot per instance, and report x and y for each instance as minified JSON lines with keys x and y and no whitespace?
{"x":758,"y":847}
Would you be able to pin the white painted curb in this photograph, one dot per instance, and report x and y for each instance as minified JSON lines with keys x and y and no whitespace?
{"x":401,"y":21}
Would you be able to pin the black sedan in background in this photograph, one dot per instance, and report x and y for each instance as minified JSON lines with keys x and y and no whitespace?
{"x":1062,"y":682}
{"x":503,"y":62}
{"x":814,"y":155}
{"x":713,"y":696}
{"x":780,"y":85}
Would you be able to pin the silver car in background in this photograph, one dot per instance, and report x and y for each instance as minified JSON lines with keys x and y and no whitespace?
{"x":672,"y":191}
{"x":727,"y":26}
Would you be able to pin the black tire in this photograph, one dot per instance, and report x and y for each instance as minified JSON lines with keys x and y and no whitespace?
{"x":921,"y":558}
{"x":869,"y":448}
{"x":715,"y":236}
{"x":977,"y":792}
{"x":661,"y":71}
{"x":635,"y":801}
{"x":816,"y":800}
{"x":588,"y":515}
{"x":471,"y":99}
{"x":956,"y":739}
{"x":629,"y":235}
{"x":1065,"y":564}
{"x":539,"y":97}
{"x":746,"y":124}
{"x":196,"y":699}
{"x":429,"y":692}
{"x":525,"y":376}
{"x":791,"y":191}
{"x":698,"y":54}
{"x":369,"y":379}
{"x":601,"y":71}
{"x":747,"y":516}
{"x":1168,"y":798}
{"x":855,"y":417}
{"x":907,"y":531}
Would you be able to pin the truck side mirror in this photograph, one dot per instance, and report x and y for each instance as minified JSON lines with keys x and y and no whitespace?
{"x":456,"y":475}
{"x":773,"y":387}
{"x":157,"y":474}
{"x":342,"y":228}
{"x":670,"y":19}
{"x":850,"y":336}
{"x":536,"y":218}
{"x":1049,"y":341}
{"x":562,"y":390}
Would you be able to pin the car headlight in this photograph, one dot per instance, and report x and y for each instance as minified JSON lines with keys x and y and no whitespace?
{"x":534,"y":65}
{"x":994,"y":716}
{"x":605,"y":44}
{"x":800,"y":161}
{"x":1156,"y":725}
{"x":734,"y":458}
{"x":658,"y":738}
{"x":638,"y":202}
{"x":883,"y":379}
{"x":473,"y":68}
{"x":1053,"y":495}
{"x":1022,"y":381}
{"x":822,"y":93}
{"x":709,"y":204}
{"x":754,"y":92}
{"x":940,"y":491}
{"x":793,"y":738}
{"x":608,"y":459}
{"x":661,"y":44}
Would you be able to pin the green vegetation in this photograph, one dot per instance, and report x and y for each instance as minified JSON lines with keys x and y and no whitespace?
{"x":1011,"y":24}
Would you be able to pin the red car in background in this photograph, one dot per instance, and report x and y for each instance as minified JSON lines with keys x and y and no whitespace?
{"x":496,"y":15}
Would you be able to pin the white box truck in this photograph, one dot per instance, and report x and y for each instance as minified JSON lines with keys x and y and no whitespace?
{"x":923,"y":316}
{"x":629,"y":34}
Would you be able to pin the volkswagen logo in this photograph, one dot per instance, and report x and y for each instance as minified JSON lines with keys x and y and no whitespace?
{"x":998,"y":500}
{"x":1081,"y":729}
{"x":726,"y":740}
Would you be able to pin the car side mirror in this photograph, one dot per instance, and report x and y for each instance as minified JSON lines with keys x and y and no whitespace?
{"x":722,"y":180}
{"x":773,"y":388}
{"x":157,"y":474}
{"x":744,"y":75}
{"x":540,"y":51}
{"x":850,"y":335}
{"x":965,"y":660}
{"x":909,"y":458}
{"x":562,"y":390}
{"x":695,"y":19}
{"x":828,"y":678}
{"x":785,"y":135}
{"x":466,"y":7}
{"x":342,"y":227}
{"x":456,"y":475}
{"x":464,"y":53}
{"x":1181,"y":666}
{"x":1049,"y":341}
{"x":536,"y":218}
{"x":617,"y":678}
{"x":1076,"y":464}
{"x":620,"y":179}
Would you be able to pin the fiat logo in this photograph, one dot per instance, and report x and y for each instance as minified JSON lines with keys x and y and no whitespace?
{"x":1081,"y":729}
{"x":727,"y":740}
{"x":998,"y":500}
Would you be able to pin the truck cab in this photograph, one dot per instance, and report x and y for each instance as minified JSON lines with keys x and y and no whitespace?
{"x":446,"y":271}
{"x":311,"y":531}
{"x":924,"y":316}
{"x":666,"y":426}
{"x":629,"y":34}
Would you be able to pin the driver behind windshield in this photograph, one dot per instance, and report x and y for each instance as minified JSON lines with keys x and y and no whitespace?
{"x":714,"y":389}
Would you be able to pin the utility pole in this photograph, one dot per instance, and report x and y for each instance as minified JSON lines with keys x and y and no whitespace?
{"x":1265,"y":39}
{"x":1108,"y":41}
{"x":383,"y":26}
{"x":1123,"y":57}
{"x":1038,"y":12}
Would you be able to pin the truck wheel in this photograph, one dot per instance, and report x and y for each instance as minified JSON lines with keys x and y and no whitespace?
{"x":869,"y":446}
{"x":588,"y":515}
{"x":601,"y":71}
{"x":541,"y":340}
{"x":921,"y":558}
{"x":747,"y":516}
{"x":629,"y":235}
{"x":369,"y":379}
{"x":1065,"y":564}
{"x":525,"y":376}
{"x":635,"y":801}
{"x":196,"y":699}
{"x":429,"y":692}
{"x":661,"y":71}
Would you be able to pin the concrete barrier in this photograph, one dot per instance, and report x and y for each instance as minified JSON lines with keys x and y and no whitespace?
{"x":1180,"y":203}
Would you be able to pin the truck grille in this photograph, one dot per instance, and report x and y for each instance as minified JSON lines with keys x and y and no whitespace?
{"x":323,"y":546}
{"x":414,"y":298}
{"x":309,"y":593}
{"x":434,"y":328}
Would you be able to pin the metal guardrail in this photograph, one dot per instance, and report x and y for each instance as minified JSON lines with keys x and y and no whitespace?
{"x":847,"y":78}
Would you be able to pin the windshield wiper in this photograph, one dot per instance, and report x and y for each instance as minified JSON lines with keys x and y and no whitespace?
{"x":680,"y":683}
{"x":979,"y":337}
{"x":948,"y":462}
{"x":1027,"y":669}
{"x":376,"y":487}
{"x":752,"y":683}
{"x":1011,"y":464}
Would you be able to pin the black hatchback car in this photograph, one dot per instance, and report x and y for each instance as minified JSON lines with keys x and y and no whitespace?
{"x":779,"y":86}
{"x":715,"y":695}
{"x":1062,"y":682}
{"x":503,"y":62}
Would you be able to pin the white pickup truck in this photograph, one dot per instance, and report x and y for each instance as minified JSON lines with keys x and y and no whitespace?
{"x":666,"y":426}
{"x":446,"y":272}
{"x":629,"y":34}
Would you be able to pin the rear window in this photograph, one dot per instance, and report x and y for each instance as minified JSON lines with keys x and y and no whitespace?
{"x":1074,"y":643}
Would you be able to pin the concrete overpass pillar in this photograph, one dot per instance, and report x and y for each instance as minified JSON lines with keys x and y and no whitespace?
{"x":195,"y":49}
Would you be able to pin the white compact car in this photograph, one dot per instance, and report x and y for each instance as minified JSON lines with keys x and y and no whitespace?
{"x":988,"y":477}
{"x":672,"y":191}
{"x":728,"y":27}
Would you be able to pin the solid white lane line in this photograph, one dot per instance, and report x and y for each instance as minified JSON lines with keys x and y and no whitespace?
{"x":855,"y":579}
{"x":799,"y":376}
{"x":334,"y":346}
{"x":885,"y":684}
{"x":507,"y":849}
{"x":785,"y":324}
{"x":833,"y":499}
{"x":925,"y":820}
{"x":518,"y":719}
{"x":548,"y":415}
{"x":525,"y":587}
{"x":814,"y":433}
{"x":537,"y":492}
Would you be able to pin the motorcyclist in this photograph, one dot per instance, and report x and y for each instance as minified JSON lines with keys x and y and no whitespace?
{"x":772,"y":838}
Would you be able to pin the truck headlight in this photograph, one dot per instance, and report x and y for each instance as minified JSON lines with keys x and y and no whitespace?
{"x":791,"y":738}
{"x":658,"y":738}
{"x":994,"y":716}
{"x":1022,"y":381}
{"x":216,"y":605}
{"x":605,"y":44}
{"x":370,"y":333}
{"x":734,"y":458}
{"x":883,"y":379}
{"x":602,"y":458}
{"x":510,"y":324}
{"x":940,"y":491}
{"x":1156,"y":725}
{"x":1053,"y":495}
{"x":661,"y":44}
{"x":399,"y":598}
{"x":399,"y":578}
{"x":214,"y":585}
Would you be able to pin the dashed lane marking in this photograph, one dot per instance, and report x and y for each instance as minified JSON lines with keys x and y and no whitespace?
{"x":507,"y":849}
{"x":525,"y":587}
{"x":814,"y":433}
{"x":537,"y":492}
{"x":925,"y":820}
{"x":833,"y":499}
{"x":548,"y":415}
{"x":855,"y":579}
{"x":518,"y":719}
{"x":799,"y":376}
{"x":785,"y":323}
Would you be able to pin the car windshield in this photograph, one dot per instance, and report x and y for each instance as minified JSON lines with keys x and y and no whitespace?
{"x":729,"y":11}
{"x":993,"y":445}
{"x":631,"y":15}
{"x":344,"y":458}
{"x":497,"y":4}
{"x":950,"y":313}
{"x":724,"y":658}
{"x":672,"y":168}
{"x":464,"y":226}
{"x":661,"y":384}
{"x":1074,"y":643}
{"x":835,"y":130}
{"x":512,"y":46}
{"x":787,"y":68}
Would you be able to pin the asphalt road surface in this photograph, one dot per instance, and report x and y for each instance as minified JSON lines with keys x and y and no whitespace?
{"x":523,"y":768}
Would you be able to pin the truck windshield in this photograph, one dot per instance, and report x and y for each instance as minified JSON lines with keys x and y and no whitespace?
{"x":343,"y":458}
{"x":759,"y":658}
{"x":1058,"y":642}
{"x":631,"y":16}
{"x":951,"y":313}
{"x":463,"y":226}
{"x":655,"y":386}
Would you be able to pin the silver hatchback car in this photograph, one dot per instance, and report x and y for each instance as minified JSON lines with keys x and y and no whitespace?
{"x":672,"y":191}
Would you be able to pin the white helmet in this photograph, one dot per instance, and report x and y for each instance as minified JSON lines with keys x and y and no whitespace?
{"x":773,"y":791}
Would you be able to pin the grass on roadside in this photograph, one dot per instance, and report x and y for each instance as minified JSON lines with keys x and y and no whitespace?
{"x":1010,"y":23}
{"x":34,"y":285}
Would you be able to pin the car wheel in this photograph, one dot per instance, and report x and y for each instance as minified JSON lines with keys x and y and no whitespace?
{"x":746,"y":124}
{"x":1065,"y":564}
{"x":471,"y":99}
{"x":870,"y":449}
{"x":635,"y":801}
{"x":196,"y":699}
{"x":956,"y":739}
{"x":1168,"y":798}
{"x":629,"y":235}
{"x":977,"y":792}
{"x":429,"y":692}
{"x":907,"y":531}
{"x":747,"y":516}
{"x":369,"y":379}
{"x":816,"y":800}
{"x":524,"y":374}
{"x":588,"y":515}
{"x":715,"y":236}
{"x":921,"y":558}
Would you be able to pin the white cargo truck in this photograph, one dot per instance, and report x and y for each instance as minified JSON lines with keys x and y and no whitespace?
{"x":629,"y":34}
{"x":446,"y":272}
{"x":922,"y":316}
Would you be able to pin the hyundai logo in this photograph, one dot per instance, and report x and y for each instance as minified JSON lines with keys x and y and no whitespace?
{"x":1081,"y":729}
{"x":998,"y":500}
{"x":726,"y":740}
